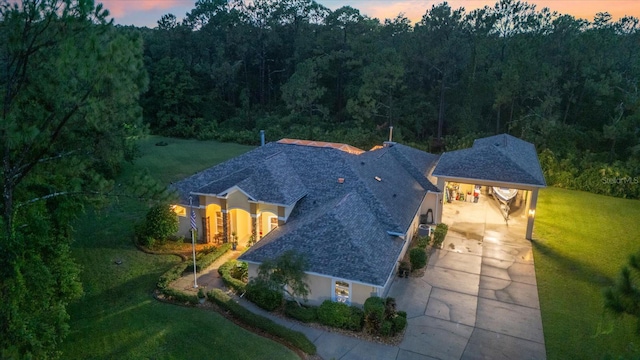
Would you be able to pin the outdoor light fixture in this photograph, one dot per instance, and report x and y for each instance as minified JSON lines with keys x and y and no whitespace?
{"x":532,"y":212}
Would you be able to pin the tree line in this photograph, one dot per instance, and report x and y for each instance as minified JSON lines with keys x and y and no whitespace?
{"x":298,"y":69}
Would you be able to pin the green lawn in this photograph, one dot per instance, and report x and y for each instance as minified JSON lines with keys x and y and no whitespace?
{"x":581,"y":242}
{"x":118,"y":318}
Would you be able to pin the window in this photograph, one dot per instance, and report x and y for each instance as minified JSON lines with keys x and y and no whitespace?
{"x":273,"y":222}
{"x":179,"y":210}
{"x":342,"y":292}
{"x":219,"y":227}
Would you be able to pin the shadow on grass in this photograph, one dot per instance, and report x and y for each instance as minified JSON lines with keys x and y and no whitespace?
{"x":572,"y":267}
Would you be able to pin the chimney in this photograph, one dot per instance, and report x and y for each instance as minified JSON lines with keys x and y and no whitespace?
{"x":261,"y":137}
{"x":390,"y":133}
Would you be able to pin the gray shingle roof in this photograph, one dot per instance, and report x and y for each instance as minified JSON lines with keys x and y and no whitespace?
{"x":336,"y":243}
{"x":342,"y":228}
{"x":502,"y":158}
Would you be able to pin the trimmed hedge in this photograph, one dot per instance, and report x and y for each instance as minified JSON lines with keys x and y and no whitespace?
{"x":303,"y":313}
{"x":439,"y":234}
{"x":418,"y":258}
{"x":225,"y":271}
{"x":340,"y":315}
{"x":206,"y":260}
{"x":292,"y":337}
{"x":171,"y":275}
{"x":178,"y":295}
{"x":261,"y":295}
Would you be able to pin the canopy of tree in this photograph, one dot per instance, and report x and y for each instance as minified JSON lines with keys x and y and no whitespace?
{"x":298,"y":69}
{"x":69,"y":89}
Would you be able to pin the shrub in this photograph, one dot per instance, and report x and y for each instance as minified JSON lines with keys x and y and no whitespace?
{"x":439,"y":234}
{"x":305,"y":314}
{"x":180,"y":296}
{"x":374,"y":314}
{"x":207,"y":259}
{"x":160,"y":223}
{"x":171,"y":275}
{"x":294,"y":338}
{"x":386,"y":329}
{"x":263,"y":296}
{"x":389,"y":308}
{"x":399,"y":323}
{"x":340,"y":315}
{"x":418,"y":258}
{"x":226,"y":272}
{"x":356,"y":319}
{"x":423,"y":241}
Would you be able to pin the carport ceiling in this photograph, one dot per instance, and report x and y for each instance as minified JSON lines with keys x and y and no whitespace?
{"x":500,"y":160}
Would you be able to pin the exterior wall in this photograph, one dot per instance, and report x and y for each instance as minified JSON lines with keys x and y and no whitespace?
{"x":360,"y":293}
{"x":320,"y":289}
{"x":238,"y":200}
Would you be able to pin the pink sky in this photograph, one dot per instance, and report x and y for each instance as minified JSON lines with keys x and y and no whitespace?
{"x":148,"y":12}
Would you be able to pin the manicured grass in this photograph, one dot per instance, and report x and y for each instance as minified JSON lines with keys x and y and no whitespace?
{"x":118,"y":318}
{"x":581,"y":242}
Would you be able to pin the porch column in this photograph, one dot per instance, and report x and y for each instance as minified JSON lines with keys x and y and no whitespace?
{"x":253,"y":209}
{"x":531,"y":213}
{"x":225,"y":220}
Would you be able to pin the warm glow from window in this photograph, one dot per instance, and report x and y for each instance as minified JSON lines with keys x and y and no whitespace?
{"x":179,"y":210}
{"x":342,"y":292}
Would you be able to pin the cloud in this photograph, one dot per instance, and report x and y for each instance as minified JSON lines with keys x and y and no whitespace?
{"x":120,"y":8}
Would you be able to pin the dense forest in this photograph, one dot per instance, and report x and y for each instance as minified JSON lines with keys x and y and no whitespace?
{"x":297,"y":69}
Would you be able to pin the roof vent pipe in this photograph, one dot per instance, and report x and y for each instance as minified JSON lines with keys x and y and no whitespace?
{"x":261,"y":137}
{"x":390,"y":133}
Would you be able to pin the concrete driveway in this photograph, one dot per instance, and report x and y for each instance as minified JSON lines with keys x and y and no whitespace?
{"x":478,"y":298}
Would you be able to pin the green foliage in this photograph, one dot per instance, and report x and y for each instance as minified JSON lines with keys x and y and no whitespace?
{"x":624,"y":296}
{"x":423,"y":241}
{"x":294,"y":338}
{"x":204,"y":261}
{"x":261,"y":294}
{"x":228,"y":273}
{"x":171,"y":275}
{"x":285,"y":272}
{"x":399,"y":323}
{"x":418,"y":258}
{"x":180,"y":296}
{"x":302,"y":313}
{"x":340,"y":315}
{"x":381,"y":317}
{"x":160,"y":223}
{"x":374,"y":314}
{"x":439,"y":234}
{"x":70,"y":115}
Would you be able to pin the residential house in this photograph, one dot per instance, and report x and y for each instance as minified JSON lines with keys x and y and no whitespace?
{"x":351,"y":213}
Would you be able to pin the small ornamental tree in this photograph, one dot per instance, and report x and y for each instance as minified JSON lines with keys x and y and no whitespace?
{"x":161,"y":222}
{"x":624,"y":296}
{"x":286,"y":273}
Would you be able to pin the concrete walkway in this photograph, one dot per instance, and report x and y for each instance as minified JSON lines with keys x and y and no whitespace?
{"x":478,"y":298}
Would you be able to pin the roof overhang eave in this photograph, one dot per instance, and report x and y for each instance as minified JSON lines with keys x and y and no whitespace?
{"x":509,"y":184}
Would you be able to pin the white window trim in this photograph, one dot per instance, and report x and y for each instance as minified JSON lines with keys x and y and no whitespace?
{"x":333,"y":291}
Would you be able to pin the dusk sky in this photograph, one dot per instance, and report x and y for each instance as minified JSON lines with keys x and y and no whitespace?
{"x":148,"y":12}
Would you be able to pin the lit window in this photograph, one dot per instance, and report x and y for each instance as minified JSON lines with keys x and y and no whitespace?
{"x":273,"y":223}
{"x":179,"y":210}
{"x":219,"y":227}
{"x":342,"y":290}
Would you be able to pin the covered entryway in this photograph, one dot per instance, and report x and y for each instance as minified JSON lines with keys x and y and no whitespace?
{"x":492,"y":165}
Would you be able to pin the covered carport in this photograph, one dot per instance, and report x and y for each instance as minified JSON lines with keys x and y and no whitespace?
{"x":501,"y":161}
